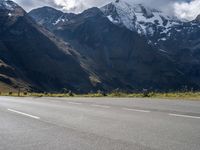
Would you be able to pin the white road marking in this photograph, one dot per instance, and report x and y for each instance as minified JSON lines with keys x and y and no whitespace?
{"x":137,"y":110}
{"x":101,"y":106}
{"x":25,"y":114}
{"x":74,"y":103}
{"x":186,"y":116}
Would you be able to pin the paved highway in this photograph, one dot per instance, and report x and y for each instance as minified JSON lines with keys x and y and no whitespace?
{"x":98,"y":124}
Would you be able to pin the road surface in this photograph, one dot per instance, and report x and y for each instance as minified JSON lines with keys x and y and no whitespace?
{"x":98,"y":124}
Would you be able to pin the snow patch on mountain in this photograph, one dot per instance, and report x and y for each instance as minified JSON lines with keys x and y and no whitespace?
{"x":61,"y":19}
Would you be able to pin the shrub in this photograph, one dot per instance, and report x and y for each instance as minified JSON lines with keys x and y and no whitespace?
{"x":145,"y":93}
{"x":101,"y":93}
{"x":70,"y":93}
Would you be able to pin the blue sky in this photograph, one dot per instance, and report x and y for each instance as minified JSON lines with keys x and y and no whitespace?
{"x":185,"y":9}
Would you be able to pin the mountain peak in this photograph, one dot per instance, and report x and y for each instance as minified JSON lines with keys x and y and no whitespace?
{"x":92,"y":11}
{"x":137,"y":17}
{"x":47,"y":9}
{"x":136,"y":6}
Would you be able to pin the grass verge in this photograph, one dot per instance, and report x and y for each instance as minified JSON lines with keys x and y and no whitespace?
{"x":172,"y":95}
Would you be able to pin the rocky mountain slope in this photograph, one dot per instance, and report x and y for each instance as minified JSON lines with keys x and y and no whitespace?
{"x":179,"y":40}
{"x":122,"y":46}
{"x":32,"y":58}
{"x":128,"y":47}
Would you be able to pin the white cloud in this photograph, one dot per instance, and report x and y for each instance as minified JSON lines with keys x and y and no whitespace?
{"x":78,"y":5}
{"x":67,"y":4}
{"x":184,"y":9}
{"x":187,"y":10}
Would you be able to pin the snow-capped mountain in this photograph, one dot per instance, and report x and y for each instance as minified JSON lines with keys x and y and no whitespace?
{"x":154,"y":45}
{"x":160,"y":29}
{"x":157,"y":26}
{"x":122,"y":45}
{"x":137,"y":17}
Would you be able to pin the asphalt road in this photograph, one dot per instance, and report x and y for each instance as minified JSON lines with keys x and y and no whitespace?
{"x":98,"y":124}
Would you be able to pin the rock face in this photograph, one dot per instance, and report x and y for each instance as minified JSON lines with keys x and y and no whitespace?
{"x":120,"y":46}
{"x":121,"y":56}
{"x":32,"y":56}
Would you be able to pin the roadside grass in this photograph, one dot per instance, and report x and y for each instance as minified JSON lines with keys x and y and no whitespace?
{"x":179,"y":95}
{"x":28,"y":94}
{"x":170,"y":95}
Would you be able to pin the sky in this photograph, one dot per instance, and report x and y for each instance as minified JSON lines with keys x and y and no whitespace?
{"x":183,"y":9}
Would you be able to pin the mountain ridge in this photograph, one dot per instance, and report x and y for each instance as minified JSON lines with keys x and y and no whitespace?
{"x":43,"y":61}
{"x":89,"y":30}
{"x":48,"y":50}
